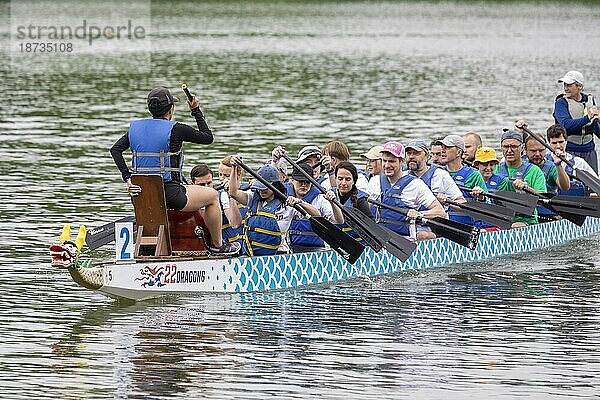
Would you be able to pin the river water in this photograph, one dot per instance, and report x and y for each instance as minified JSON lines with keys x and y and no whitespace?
{"x":293,"y":73}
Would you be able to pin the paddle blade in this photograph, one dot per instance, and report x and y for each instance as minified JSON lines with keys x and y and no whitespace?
{"x":586,"y":206}
{"x":463,"y":234}
{"x":399,"y":246}
{"x":343,"y":244}
{"x":588,"y":179}
{"x":522,"y":203}
{"x":494,"y":214}
{"x":576,"y":219}
{"x":101,"y":235}
{"x":374,"y":235}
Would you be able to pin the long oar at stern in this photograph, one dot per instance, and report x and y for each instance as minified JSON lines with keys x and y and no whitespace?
{"x":374,"y":235}
{"x":584,"y":176}
{"x":343,"y":244}
{"x":463,"y":234}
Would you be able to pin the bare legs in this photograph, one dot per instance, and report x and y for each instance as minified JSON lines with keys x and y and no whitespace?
{"x":202,"y":196}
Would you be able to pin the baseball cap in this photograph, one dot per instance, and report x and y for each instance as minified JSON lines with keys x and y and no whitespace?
{"x":572,"y":77}
{"x":417,"y":145}
{"x":298,"y":175}
{"x":452,"y":141}
{"x":394,"y":148}
{"x":510,"y":134}
{"x":374,"y":153}
{"x":269,"y":174}
{"x":308,"y":151}
{"x":485,"y":154}
{"x":160,"y":100}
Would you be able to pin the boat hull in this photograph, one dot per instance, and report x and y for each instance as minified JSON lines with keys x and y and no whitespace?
{"x":149,"y":279}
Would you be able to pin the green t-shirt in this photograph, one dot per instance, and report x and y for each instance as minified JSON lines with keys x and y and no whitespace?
{"x":475,"y":179}
{"x":534,"y":178}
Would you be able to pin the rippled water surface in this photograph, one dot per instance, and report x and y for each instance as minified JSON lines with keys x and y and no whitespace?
{"x":291,"y":73}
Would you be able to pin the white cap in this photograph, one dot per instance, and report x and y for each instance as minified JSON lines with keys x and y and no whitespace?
{"x":572,"y":77}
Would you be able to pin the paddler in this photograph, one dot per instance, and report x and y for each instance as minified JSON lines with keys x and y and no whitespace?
{"x":453,"y":148}
{"x":436,"y":178}
{"x":156,"y":144}
{"x":398,"y":188}
{"x":578,"y":114}
{"x":473,"y":143}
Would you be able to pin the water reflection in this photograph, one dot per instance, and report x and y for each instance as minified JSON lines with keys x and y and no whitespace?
{"x":290,"y":73}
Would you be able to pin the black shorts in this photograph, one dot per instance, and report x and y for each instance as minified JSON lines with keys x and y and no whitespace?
{"x":175,"y":194}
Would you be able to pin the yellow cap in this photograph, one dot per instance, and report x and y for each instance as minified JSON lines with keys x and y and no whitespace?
{"x":485,"y":154}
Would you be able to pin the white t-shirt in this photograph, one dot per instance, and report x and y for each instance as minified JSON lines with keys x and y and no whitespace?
{"x":415,"y":195}
{"x":284,"y":216}
{"x":579,"y":163}
{"x":224,"y":197}
{"x":442,"y":183}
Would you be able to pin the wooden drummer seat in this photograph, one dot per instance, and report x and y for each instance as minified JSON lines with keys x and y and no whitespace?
{"x":150,"y":208}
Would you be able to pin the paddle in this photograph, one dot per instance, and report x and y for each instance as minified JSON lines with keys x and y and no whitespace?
{"x":463,"y":234}
{"x":584,"y":176}
{"x":576,"y":218}
{"x":496,"y":215}
{"x":343,"y":244}
{"x":104,"y":234}
{"x":522,"y":203}
{"x":374,"y":235}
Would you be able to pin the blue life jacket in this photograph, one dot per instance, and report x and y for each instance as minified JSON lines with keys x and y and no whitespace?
{"x":519,"y":173}
{"x":460,"y":178}
{"x":494,"y":181}
{"x":345,"y":227}
{"x":428,"y":175}
{"x":149,"y":140}
{"x":262,"y":235}
{"x":229,"y":234}
{"x":301,"y":232}
{"x":390,"y":195}
{"x":577,"y":188}
{"x":546,"y":169}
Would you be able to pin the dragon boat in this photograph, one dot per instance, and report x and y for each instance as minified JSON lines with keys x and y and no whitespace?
{"x":154,"y":276}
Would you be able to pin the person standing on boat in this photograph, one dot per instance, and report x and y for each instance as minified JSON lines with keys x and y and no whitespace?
{"x":373,"y":161}
{"x":522,"y":173}
{"x":156,"y":145}
{"x":436,"y":178}
{"x":453,"y":148}
{"x":302,"y":237}
{"x":398,"y":188}
{"x":348,"y":194}
{"x":557,"y":138}
{"x":578,"y":114}
{"x":472,"y":144}
{"x":268,"y":219}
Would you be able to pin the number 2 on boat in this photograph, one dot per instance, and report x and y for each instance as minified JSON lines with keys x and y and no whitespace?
{"x":123,"y":241}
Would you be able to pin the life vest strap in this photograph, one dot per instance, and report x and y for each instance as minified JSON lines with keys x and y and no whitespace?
{"x":266,"y":231}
